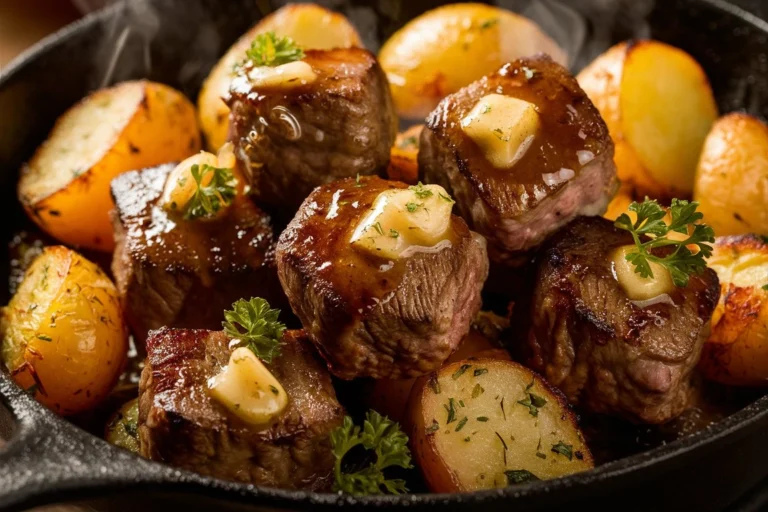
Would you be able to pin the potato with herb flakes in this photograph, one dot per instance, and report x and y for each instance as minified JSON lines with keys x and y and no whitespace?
{"x":123,"y":427}
{"x":659,"y":107}
{"x":403,"y":159}
{"x":65,"y":186}
{"x":444,"y":49}
{"x":732,"y":177}
{"x":63,"y":332}
{"x":736,"y":352}
{"x":309,"y":25}
{"x":481,"y":424}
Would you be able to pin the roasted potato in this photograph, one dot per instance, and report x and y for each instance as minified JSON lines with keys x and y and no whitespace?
{"x":63,"y":333}
{"x":65,"y":186}
{"x":310,"y":25}
{"x":732,"y":177}
{"x":736,"y":352}
{"x":480,"y":424}
{"x":446,"y":48}
{"x":123,"y":427}
{"x":620,"y":202}
{"x":659,"y":107}
{"x":403,"y":160}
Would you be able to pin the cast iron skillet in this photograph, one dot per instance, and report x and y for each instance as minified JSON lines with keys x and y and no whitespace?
{"x":176,"y":42}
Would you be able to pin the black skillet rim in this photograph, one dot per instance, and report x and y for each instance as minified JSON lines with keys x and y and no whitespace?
{"x":190,"y":482}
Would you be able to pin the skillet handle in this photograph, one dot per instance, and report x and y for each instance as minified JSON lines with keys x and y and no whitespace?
{"x":47,"y":459}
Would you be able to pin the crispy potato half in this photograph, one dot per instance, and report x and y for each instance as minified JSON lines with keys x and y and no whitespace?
{"x":736,"y":352}
{"x":732,"y":177}
{"x":311,"y":26}
{"x":403,"y":160}
{"x":444,"y":49}
{"x":481,"y":424}
{"x":65,"y":186}
{"x":63,"y":332}
{"x":659,"y":107}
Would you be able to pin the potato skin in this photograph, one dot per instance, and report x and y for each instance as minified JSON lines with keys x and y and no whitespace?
{"x":403,"y":160}
{"x":68,"y":196}
{"x":310,"y":25}
{"x":732,"y":176}
{"x":661,"y":159}
{"x":63,"y":332}
{"x":469,"y":453}
{"x":736,"y":352}
{"x":451,"y":46}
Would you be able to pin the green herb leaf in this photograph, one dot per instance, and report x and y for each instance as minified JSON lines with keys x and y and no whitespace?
{"x":421,"y":191}
{"x":451,"y":409}
{"x":270,"y":50}
{"x":412,"y":207}
{"x":255,"y":326}
{"x":480,"y":371}
{"x":386,"y":440}
{"x":520,"y":476}
{"x":563,"y":449}
{"x":489,"y":23}
{"x":477,"y":391}
{"x":445,"y":198}
{"x":482,"y":419}
{"x":458,"y":373}
{"x":378,"y":228}
{"x":434,"y":427}
{"x":765,"y":287}
{"x":650,"y":231}
{"x":43,"y":337}
{"x":393,"y":233}
{"x":210,"y":195}
{"x":461,"y":424}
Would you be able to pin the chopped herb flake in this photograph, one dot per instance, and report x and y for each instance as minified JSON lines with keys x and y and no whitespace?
{"x":451,"y":409}
{"x":458,"y":373}
{"x":482,"y":418}
{"x":393,"y":233}
{"x":434,"y":383}
{"x":480,"y":371}
{"x":44,"y":337}
{"x":421,"y":191}
{"x":520,"y":476}
{"x":563,"y":449}
{"x":461,"y":424}
{"x":434,"y":427}
{"x":477,"y":391}
{"x":412,"y":207}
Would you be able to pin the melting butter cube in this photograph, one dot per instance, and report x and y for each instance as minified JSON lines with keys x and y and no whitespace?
{"x":635,"y":286}
{"x":248,"y":389}
{"x":503,"y":127}
{"x":404,"y":219}
{"x":285,"y":76}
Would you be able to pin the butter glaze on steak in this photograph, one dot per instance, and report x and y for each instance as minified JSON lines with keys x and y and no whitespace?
{"x":603,"y":351}
{"x":182,"y":425}
{"x":518,"y":208}
{"x":176,"y":273}
{"x":292,"y":140}
{"x":368,"y":316}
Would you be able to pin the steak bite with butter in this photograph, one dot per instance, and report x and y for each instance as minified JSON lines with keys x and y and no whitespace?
{"x":220,"y":412}
{"x":523,"y":151}
{"x":385,"y":280}
{"x":310,"y":122}
{"x":612,"y":341}
{"x":182,"y":272}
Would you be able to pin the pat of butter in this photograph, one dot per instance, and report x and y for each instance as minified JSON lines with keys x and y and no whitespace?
{"x":635,"y":286}
{"x":248,"y":389}
{"x":503,"y":127}
{"x":288,"y":75}
{"x":403,"y":219}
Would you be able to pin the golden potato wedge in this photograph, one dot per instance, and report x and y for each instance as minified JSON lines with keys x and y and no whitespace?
{"x":403,"y":160}
{"x":310,"y":25}
{"x":732,"y":177}
{"x":123,"y":427}
{"x":659,"y":107}
{"x":63,"y":332}
{"x":446,"y":48}
{"x":736,"y":352}
{"x":65,"y":186}
{"x":480,"y":424}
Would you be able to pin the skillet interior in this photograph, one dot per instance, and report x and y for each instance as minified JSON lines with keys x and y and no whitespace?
{"x":51,"y":459}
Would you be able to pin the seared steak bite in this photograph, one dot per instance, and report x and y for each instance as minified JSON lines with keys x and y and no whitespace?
{"x":604,"y":351}
{"x":558,"y":162}
{"x":178,"y":273}
{"x":180,"y":423}
{"x":293,"y":138}
{"x":368,"y":313}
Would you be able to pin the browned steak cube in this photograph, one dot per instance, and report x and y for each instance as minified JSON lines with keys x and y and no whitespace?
{"x":182,"y":425}
{"x":604,"y":351}
{"x":293,"y":140}
{"x":177,"y":273}
{"x":567,"y":169}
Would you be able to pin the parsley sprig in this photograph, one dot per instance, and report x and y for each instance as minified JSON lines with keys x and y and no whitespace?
{"x":210,"y":197}
{"x":255,"y":325}
{"x":650,"y":232}
{"x":270,"y":50}
{"x":390,"y":445}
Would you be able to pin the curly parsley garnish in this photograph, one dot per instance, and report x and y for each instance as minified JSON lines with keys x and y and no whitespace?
{"x":270,"y":50}
{"x":682,"y":262}
{"x":254,"y":324}
{"x":210,"y":195}
{"x":388,"y":442}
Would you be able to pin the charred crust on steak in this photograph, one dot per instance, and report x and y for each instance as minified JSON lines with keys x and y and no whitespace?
{"x":607,"y":353}
{"x":181,"y":424}
{"x":517,"y":208}
{"x":370,"y":316}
